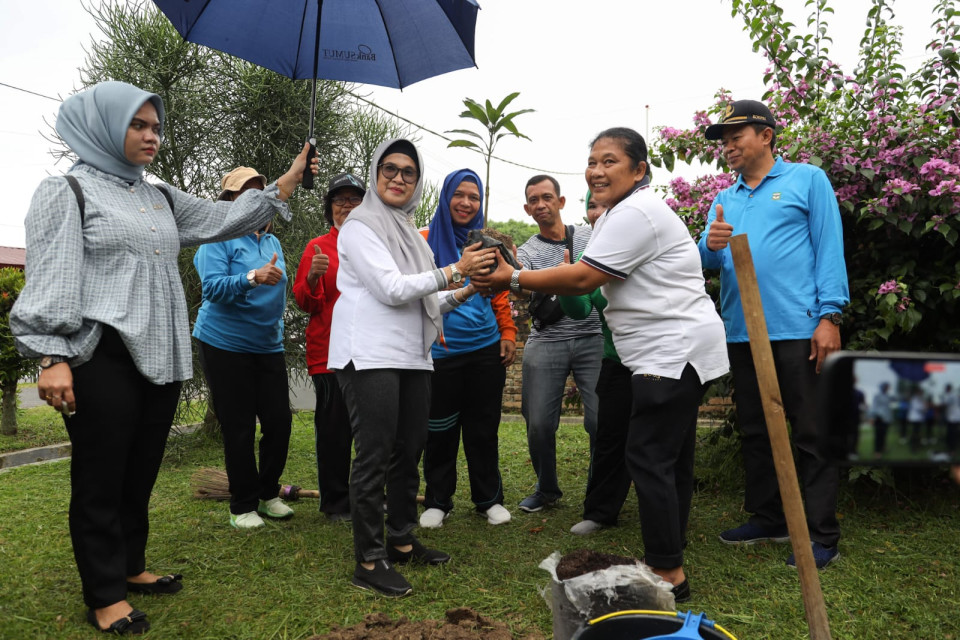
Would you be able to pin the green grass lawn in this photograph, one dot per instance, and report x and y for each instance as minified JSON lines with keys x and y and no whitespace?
{"x":899,"y":575}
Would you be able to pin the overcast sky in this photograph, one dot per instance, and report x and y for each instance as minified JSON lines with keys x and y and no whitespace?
{"x":583,"y":66}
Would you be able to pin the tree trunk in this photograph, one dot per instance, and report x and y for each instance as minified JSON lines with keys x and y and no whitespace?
{"x":8,"y":412}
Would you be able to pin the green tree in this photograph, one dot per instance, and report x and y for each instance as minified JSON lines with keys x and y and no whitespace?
{"x":12,"y":365}
{"x":519,"y":230}
{"x":497,"y":125}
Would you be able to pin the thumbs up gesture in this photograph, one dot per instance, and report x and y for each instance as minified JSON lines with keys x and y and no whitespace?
{"x":319,"y":263}
{"x":566,"y":256}
{"x":270,"y":273}
{"x":718,"y":236}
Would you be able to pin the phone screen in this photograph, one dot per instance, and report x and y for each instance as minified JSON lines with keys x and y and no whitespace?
{"x":891,"y":408}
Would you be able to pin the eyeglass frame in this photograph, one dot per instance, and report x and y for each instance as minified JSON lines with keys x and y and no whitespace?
{"x":402,"y":172}
{"x":344,"y":199}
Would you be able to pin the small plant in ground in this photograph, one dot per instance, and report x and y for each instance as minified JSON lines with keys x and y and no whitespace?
{"x":13,"y":366}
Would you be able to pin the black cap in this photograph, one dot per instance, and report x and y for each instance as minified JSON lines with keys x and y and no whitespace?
{"x":339,"y":182}
{"x":741,"y":112}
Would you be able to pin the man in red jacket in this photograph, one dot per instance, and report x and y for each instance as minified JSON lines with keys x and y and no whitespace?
{"x":315,"y":289}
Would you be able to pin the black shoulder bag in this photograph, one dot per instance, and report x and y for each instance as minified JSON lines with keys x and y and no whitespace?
{"x":545,"y":308}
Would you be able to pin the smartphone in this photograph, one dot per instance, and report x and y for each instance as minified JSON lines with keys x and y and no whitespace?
{"x":893,"y":408}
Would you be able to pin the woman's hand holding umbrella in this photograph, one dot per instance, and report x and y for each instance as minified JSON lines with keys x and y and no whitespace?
{"x":289,"y":181}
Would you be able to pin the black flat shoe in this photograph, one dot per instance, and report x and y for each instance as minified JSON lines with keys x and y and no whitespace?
{"x":419,"y":554}
{"x":162,"y":586}
{"x":383,"y":579}
{"x":681,"y":592}
{"x":133,"y":624}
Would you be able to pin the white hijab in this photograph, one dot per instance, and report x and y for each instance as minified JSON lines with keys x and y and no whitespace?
{"x":397,"y":230}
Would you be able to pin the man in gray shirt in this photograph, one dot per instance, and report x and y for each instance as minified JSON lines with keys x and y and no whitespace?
{"x":554,"y":350}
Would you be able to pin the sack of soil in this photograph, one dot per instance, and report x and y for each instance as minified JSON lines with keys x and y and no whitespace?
{"x":592,"y":584}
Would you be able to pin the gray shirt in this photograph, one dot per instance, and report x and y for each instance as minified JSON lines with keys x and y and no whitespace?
{"x":120,"y":269}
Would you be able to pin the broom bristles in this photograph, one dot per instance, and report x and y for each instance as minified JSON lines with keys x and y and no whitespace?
{"x":211,"y":484}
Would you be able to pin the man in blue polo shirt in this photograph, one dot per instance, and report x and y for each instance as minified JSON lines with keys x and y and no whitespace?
{"x":789,"y":211}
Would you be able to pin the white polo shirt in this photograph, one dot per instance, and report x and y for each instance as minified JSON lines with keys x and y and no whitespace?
{"x":659,"y":312}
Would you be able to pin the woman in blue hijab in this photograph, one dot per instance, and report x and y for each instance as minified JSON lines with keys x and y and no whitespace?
{"x":104,"y":311}
{"x":469,"y":370}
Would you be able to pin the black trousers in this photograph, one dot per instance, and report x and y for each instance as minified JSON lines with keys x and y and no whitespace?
{"x":388,"y":409}
{"x":334,"y":441}
{"x":466,"y":400}
{"x":118,"y":436}
{"x":609,"y":483}
{"x":246,"y":386}
{"x":660,"y":448}
{"x":820,"y":480}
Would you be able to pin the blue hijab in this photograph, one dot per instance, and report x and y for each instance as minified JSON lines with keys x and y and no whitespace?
{"x":94,"y":125}
{"x":445,"y":238}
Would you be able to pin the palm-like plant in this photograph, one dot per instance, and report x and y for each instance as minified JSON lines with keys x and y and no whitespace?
{"x":497,"y":125}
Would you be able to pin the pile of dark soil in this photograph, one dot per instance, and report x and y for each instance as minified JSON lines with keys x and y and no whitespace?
{"x":460,"y":624}
{"x":576,"y":563}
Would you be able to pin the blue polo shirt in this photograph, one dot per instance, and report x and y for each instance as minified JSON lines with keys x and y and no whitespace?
{"x":796,"y":238}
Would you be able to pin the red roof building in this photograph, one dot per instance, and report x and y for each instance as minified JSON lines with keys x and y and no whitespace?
{"x":13,"y":257}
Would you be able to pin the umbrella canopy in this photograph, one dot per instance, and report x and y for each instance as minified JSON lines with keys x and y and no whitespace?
{"x":390,"y":43}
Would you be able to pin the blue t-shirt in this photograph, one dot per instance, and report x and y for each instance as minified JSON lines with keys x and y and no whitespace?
{"x":796,"y":238}
{"x":469,"y":327}
{"x":235,"y":316}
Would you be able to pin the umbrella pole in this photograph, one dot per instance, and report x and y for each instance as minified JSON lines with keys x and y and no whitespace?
{"x":312,"y":152}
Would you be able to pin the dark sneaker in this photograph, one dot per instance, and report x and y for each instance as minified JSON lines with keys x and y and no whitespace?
{"x":535,"y":502}
{"x":418,"y":555}
{"x":822,"y":556}
{"x":752,"y":533}
{"x":681,"y":592}
{"x":383,"y":579}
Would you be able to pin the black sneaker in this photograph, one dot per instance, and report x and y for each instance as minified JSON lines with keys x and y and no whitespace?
{"x":749,"y":533}
{"x":419,"y":554}
{"x":383,"y":579}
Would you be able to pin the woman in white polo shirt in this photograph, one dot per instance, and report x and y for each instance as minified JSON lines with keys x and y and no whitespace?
{"x":665,"y":329}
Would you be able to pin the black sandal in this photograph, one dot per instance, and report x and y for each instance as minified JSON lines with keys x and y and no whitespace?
{"x":134,"y":623}
{"x":162,"y":586}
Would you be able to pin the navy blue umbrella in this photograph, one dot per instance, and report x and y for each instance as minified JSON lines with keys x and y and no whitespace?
{"x":390,"y":43}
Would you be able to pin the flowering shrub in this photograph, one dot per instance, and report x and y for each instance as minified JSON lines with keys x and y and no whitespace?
{"x":888,"y":141}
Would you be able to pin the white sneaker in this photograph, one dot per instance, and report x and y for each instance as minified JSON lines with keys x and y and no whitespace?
{"x":585,"y":527}
{"x":433,"y":518}
{"x":497,"y":514}
{"x":275,"y":508}
{"x":249,"y":520}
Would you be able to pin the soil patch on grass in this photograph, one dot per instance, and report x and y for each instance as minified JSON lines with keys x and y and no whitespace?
{"x":576,"y":563}
{"x":460,"y":624}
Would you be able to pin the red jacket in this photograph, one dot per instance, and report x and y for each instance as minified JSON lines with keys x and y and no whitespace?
{"x":318,"y":302}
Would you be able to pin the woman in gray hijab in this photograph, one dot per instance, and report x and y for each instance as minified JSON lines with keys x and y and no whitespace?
{"x":104,"y":311}
{"x":384,"y":323}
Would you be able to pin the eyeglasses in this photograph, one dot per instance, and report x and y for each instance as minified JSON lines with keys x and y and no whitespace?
{"x":389,"y":171}
{"x":341,"y":200}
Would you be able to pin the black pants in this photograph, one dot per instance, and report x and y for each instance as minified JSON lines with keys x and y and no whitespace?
{"x":609,"y":483}
{"x":820,"y":480}
{"x":466,"y":399}
{"x":389,"y":409}
{"x":660,"y":448}
{"x":118,"y":436}
{"x":246,"y":386}
{"x":334,"y":440}
{"x":880,"y":427}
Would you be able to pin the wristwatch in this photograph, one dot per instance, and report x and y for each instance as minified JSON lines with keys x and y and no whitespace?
{"x":252,"y":278}
{"x":455,"y":276}
{"x":515,"y":282}
{"x":48,"y":361}
{"x":835,"y":318}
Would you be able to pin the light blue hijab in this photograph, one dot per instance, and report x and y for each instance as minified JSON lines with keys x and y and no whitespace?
{"x":94,"y":125}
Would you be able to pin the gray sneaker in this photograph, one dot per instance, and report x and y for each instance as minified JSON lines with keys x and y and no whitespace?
{"x":535,"y":502}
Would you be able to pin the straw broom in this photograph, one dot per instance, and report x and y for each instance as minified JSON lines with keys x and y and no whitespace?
{"x":212,"y":484}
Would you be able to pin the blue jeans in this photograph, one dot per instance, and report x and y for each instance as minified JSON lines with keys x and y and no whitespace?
{"x":546,"y":366}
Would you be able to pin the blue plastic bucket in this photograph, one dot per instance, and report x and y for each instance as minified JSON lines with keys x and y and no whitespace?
{"x":635,"y":625}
